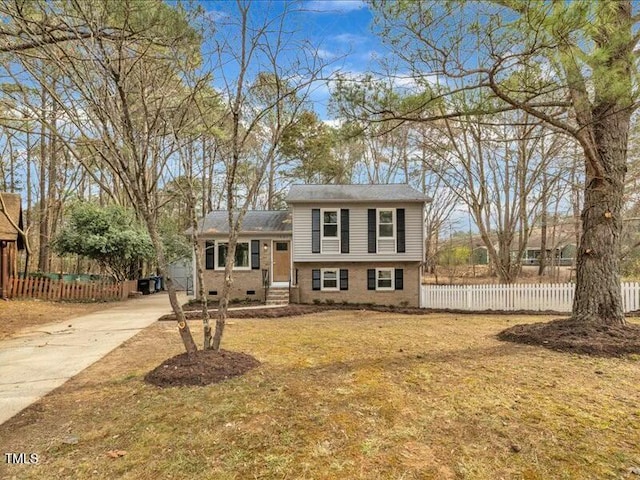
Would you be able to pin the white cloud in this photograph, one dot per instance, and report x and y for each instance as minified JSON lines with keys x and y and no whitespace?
{"x":325,"y":54}
{"x":349,"y":38}
{"x":334,"y":6}
{"x":217,"y":15}
{"x":334,"y":122}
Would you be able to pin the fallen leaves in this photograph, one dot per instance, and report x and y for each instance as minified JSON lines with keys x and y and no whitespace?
{"x":116,"y":453}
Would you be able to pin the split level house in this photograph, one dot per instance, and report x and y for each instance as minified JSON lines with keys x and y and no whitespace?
{"x":335,"y":243}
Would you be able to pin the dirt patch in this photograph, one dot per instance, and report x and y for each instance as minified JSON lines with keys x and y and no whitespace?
{"x":204,"y":367}
{"x":570,"y":335}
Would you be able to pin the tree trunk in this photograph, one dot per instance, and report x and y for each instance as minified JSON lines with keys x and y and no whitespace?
{"x":183,"y":326}
{"x":543,"y":242}
{"x":598,"y":298}
{"x":223,"y":305}
{"x":43,"y":239}
{"x":28,"y":179}
{"x":271,"y":185}
{"x":195,"y":242}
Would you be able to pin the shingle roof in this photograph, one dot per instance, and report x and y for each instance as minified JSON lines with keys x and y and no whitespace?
{"x":273,"y":221}
{"x":354,"y":193}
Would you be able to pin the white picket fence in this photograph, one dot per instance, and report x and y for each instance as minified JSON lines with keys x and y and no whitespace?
{"x":556,"y":297}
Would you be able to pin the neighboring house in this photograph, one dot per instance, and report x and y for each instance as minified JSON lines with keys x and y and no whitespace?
{"x":10,"y":239}
{"x":263,"y":253}
{"x":560,"y":248}
{"x":563,"y":255}
{"x":357,"y":243}
{"x":340,"y":243}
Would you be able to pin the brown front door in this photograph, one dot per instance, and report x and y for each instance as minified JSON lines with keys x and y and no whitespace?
{"x":281,"y":261}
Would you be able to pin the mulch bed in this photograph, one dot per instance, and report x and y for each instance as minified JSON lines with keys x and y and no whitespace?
{"x":204,"y":367}
{"x":571,"y":335}
{"x":295,"y":309}
{"x":193,"y":311}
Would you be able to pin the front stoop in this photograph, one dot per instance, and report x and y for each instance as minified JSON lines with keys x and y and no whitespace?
{"x":278,"y":296}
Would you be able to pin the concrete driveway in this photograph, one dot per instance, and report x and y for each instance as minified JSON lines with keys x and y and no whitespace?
{"x":40,"y":360}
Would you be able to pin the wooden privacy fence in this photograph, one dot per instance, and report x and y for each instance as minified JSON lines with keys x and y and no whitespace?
{"x":556,"y":297}
{"x":47,"y":289}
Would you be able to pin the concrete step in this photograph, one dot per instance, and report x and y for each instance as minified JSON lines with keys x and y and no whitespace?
{"x":278,"y":296}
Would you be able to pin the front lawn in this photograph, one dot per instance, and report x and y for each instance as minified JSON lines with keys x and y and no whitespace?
{"x":24,"y":315}
{"x":343,"y":395}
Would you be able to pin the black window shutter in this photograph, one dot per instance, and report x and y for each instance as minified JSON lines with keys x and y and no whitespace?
{"x":344,"y":230}
{"x":315,"y":230}
{"x":372,"y":230}
{"x":400,"y":230}
{"x":371,"y":279}
{"x":315,"y":279}
{"x":399,"y":274}
{"x":255,"y":254}
{"x":344,"y":279}
{"x":209,"y":255}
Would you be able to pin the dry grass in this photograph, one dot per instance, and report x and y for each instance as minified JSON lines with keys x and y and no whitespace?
{"x":344,"y":395}
{"x":19,"y":315}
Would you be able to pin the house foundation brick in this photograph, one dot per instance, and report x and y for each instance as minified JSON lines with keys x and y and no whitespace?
{"x":243,"y":283}
{"x":358,"y":291}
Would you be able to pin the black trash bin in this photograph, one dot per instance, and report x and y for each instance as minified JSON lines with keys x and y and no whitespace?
{"x":144,"y":286}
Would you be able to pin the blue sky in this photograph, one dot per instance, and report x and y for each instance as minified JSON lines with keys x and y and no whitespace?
{"x":340,"y":30}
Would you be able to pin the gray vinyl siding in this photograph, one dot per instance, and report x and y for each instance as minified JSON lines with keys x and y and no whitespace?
{"x":386,"y":245}
{"x":301,"y":219}
{"x":329,"y":245}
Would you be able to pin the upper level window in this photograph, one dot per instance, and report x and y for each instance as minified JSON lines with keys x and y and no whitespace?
{"x":385,"y":223}
{"x":330,"y":223}
{"x":242,"y":255}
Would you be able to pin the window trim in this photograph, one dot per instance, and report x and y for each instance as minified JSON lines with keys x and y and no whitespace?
{"x":235,"y":267}
{"x":337,"y":224}
{"x":330,"y":289}
{"x":392,"y":271}
{"x":394,"y":222}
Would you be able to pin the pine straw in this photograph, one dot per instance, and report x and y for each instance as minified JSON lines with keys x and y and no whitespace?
{"x":570,"y":335}
{"x":343,"y":395}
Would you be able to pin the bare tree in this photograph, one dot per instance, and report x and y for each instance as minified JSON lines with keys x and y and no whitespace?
{"x":570,"y":64}
{"x":122,"y":94}
{"x":266,"y":78}
{"x":495,"y":168}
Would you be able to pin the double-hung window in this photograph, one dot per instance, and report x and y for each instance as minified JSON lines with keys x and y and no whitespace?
{"x":386,"y":219}
{"x":242,"y":258}
{"x":330,"y":223}
{"x":329,"y":280}
{"x":384,"y":279}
